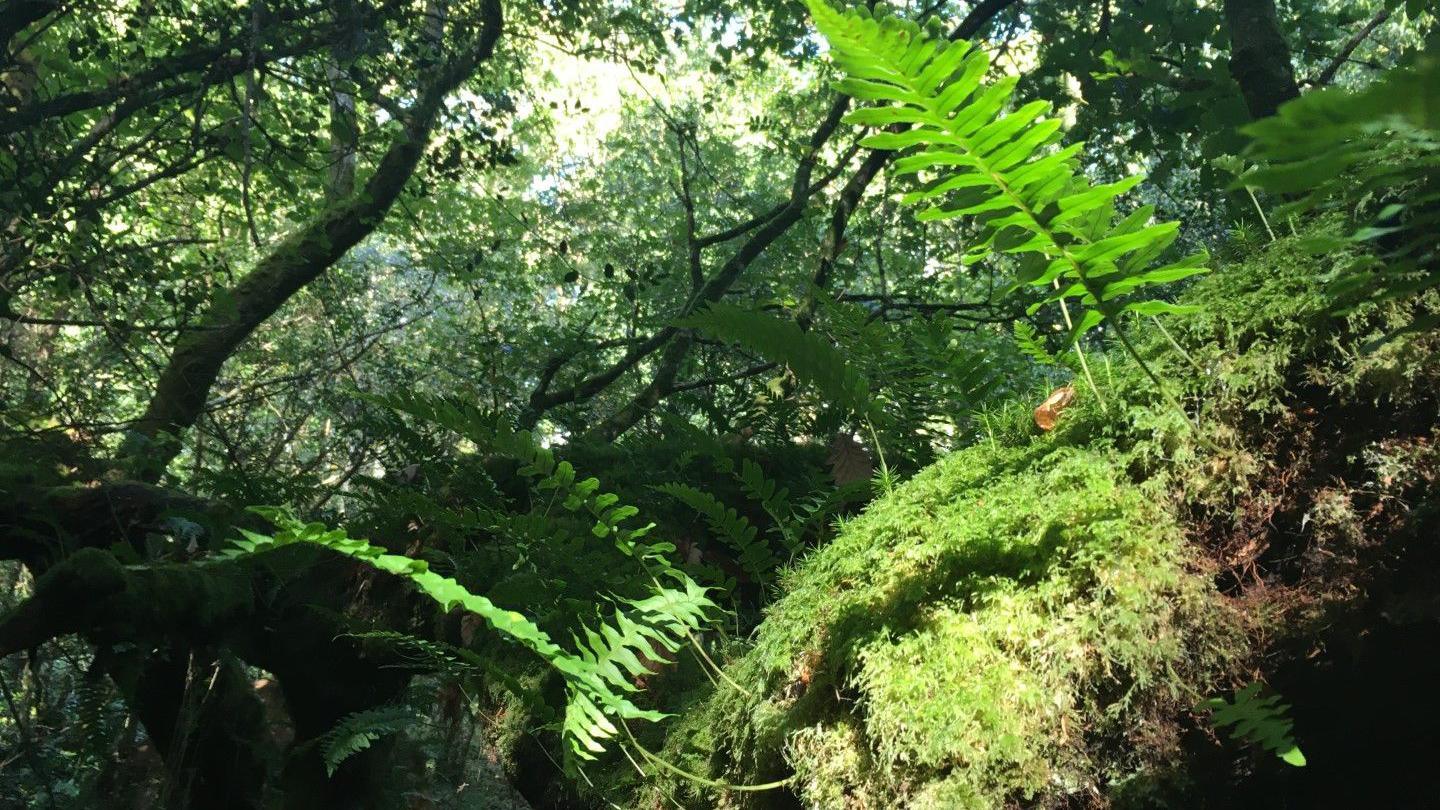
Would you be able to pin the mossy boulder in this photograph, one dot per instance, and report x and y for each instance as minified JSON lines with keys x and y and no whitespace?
{"x":1031,"y":619}
{"x":972,"y":635}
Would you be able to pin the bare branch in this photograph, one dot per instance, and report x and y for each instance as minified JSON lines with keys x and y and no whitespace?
{"x":1328,"y":74}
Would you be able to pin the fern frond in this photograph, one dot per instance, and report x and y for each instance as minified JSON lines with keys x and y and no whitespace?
{"x":752,"y":553}
{"x":763,"y":491}
{"x":1263,"y":721}
{"x":597,"y":684}
{"x":1339,"y":149}
{"x":454,"y":663}
{"x":809,"y":356}
{"x":420,"y":653}
{"x":1001,"y":170}
{"x":92,"y":704}
{"x":594,"y":696}
{"x":1032,"y":345}
{"x":774,"y":499}
{"x":812,"y":512}
{"x":358,"y":731}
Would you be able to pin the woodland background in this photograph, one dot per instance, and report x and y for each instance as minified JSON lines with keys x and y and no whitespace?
{"x":414,"y":271}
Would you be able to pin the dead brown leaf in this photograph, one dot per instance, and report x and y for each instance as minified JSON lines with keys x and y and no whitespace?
{"x":1048,"y":414}
{"x":848,"y":459}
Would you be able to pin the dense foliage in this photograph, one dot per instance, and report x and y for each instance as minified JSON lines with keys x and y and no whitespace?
{"x":971,"y":403}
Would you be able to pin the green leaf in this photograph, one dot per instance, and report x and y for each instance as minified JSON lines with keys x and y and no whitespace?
{"x":1000,"y":171}
{"x":810,"y":357}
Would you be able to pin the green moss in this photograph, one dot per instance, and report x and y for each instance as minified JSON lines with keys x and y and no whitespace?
{"x":969,"y":634}
{"x":1028,"y":619}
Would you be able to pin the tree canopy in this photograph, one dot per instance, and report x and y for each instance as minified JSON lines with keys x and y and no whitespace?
{"x":477,"y":403}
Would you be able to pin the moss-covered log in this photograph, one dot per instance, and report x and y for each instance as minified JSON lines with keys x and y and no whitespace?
{"x":170,"y":630}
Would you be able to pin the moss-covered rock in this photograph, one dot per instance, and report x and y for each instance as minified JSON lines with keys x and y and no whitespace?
{"x":973,"y":635}
{"x":1031,"y":618}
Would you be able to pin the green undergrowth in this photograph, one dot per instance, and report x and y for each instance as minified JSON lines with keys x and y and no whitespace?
{"x":1031,"y":618}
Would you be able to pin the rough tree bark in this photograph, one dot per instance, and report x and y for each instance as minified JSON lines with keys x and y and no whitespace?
{"x":1260,"y":56}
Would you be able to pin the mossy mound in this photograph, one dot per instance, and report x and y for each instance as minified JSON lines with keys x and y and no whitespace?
{"x":1030,"y":619}
{"x":971,"y":636}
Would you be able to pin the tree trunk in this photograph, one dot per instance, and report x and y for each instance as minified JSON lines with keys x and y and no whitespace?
{"x":205,"y":721}
{"x":1259,"y":56}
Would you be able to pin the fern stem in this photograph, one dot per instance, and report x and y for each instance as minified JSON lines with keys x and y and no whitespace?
{"x":1165,"y":391}
{"x":700,"y":650}
{"x":638,"y":769}
{"x":697,"y":778}
{"x":1080,"y":353}
{"x":695,"y":643}
{"x":879,"y":454}
{"x":701,"y":662}
{"x":1178,"y":347}
{"x":1261,"y":211}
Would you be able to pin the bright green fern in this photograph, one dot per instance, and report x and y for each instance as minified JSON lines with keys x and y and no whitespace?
{"x":1263,"y":721}
{"x":1001,"y":170}
{"x":599,"y":675}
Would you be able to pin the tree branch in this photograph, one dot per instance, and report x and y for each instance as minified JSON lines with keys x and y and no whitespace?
{"x":1328,"y":74}
{"x":215,"y":63}
{"x":183,"y":387}
{"x":662,"y":384}
{"x":707,"y":382}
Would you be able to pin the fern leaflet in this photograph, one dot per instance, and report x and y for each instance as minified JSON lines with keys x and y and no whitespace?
{"x":1263,"y":721}
{"x":774,"y":499}
{"x":1026,"y":197}
{"x":1032,"y":345}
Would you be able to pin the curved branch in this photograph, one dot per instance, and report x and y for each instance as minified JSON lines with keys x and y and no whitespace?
{"x":300,"y":258}
{"x":1328,"y":74}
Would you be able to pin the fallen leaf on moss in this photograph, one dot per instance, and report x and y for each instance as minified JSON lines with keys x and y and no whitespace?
{"x":1048,"y":414}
